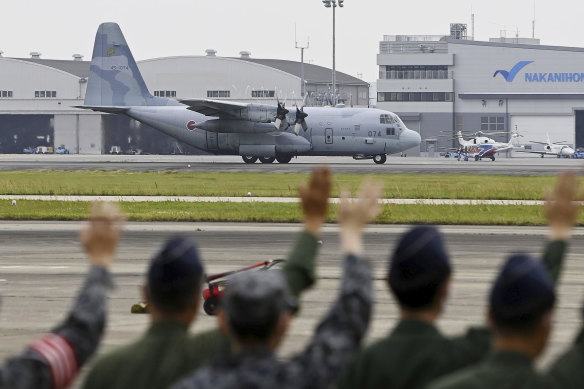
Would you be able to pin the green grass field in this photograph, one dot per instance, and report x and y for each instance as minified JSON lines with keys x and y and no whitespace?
{"x":269,"y":212}
{"x":435,"y":186}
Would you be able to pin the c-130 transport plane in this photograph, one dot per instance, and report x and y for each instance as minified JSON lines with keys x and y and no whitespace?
{"x":254,"y":131}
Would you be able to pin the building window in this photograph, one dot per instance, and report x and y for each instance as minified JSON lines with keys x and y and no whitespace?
{"x":390,"y":72}
{"x":5,"y":93}
{"x":45,"y":93}
{"x":165,"y":93}
{"x":493,"y":123}
{"x":263,"y":93}
{"x":218,"y":93}
{"x":415,"y":96}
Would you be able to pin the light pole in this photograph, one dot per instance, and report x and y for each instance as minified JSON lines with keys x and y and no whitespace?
{"x":333,"y":4}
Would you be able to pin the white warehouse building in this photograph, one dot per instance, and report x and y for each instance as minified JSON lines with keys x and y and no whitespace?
{"x":445,"y":84}
{"x":38,"y":96}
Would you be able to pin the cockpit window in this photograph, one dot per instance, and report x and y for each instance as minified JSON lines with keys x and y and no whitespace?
{"x":386,"y":119}
{"x":390,"y":131}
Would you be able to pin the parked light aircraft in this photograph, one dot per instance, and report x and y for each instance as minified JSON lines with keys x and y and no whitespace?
{"x":253,"y":131}
{"x":481,"y":147}
{"x":556,"y":148}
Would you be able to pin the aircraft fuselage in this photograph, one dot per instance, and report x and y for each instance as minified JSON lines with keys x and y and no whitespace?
{"x":331,"y":131}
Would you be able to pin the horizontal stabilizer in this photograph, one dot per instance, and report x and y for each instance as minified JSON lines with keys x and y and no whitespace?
{"x":102,"y":108}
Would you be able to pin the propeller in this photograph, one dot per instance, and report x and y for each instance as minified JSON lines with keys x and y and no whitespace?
{"x":281,"y":123}
{"x":300,"y":121}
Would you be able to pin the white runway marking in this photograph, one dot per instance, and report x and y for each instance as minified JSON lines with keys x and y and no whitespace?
{"x":208,"y":199}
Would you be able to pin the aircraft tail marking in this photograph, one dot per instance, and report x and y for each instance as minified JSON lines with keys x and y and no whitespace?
{"x":114,"y":77}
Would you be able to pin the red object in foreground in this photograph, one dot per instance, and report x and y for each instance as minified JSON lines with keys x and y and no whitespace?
{"x":216,"y":283}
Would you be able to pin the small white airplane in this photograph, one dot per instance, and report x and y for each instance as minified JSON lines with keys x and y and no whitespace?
{"x":552,"y":148}
{"x":481,"y":146}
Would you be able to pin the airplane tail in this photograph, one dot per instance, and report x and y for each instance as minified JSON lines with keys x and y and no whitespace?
{"x":114,"y":77}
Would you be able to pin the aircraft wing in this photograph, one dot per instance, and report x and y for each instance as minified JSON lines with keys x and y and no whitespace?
{"x":536,"y":152}
{"x":214,"y":107}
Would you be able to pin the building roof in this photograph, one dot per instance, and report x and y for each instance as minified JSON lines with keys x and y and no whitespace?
{"x":77,"y":68}
{"x":313,"y":74}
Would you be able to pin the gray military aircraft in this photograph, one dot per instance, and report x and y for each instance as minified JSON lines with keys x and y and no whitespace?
{"x":254,"y":131}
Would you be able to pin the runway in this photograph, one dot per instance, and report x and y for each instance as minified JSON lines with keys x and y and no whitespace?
{"x":394,"y":164}
{"x":42,"y":266}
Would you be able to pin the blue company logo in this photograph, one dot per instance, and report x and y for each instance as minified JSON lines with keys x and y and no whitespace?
{"x":538,"y":76}
{"x":510,"y":75}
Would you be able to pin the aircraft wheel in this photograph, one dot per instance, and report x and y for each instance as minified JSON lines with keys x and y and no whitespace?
{"x":283,"y":159}
{"x":542,"y":155}
{"x":493,"y":158}
{"x":476,"y":157}
{"x":249,"y":159}
{"x":380,"y":159}
{"x":210,"y":305}
{"x":267,"y":159}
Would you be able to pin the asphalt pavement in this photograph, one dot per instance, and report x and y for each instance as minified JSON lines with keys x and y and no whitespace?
{"x":42,"y":267}
{"x":394,"y":164}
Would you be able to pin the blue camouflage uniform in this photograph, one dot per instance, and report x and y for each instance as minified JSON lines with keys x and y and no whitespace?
{"x":337,"y":338}
{"x":53,"y":361}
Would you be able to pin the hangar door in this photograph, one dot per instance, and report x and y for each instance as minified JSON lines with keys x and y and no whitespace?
{"x":534,"y":128}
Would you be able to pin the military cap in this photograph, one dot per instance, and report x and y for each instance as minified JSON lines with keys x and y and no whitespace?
{"x":419,"y":258}
{"x":523,"y":291}
{"x":176,"y":267}
{"x":256,"y":299}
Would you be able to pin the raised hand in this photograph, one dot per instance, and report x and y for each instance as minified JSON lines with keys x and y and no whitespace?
{"x":561,"y":207}
{"x":315,"y":199}
{"x":355,"y":214}
{"x":101,"y":236}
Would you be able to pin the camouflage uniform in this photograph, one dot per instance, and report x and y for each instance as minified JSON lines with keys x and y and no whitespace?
{"x":336,"y":339}
{"x":53,"y":361}
{"x":173,"y":351}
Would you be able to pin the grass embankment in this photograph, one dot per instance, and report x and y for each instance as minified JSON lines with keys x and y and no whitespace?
{"x":268,"y":212}
{"x":118,"y":183}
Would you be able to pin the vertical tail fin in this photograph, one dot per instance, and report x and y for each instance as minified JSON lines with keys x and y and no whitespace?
{"x":114,"y":78}
{"x":460,"y":139}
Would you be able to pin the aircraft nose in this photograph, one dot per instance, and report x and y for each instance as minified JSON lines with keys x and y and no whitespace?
{"x":409,"y":139}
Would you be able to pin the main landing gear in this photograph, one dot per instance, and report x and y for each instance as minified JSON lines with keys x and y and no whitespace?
{"x":378,"y":158}
{"x":279,"y":158}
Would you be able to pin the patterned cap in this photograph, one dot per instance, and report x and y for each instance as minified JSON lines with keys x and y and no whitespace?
{"x":253,"y":296}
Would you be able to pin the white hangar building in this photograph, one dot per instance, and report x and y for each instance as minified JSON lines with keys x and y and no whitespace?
{"x":37,"y":97}
{"x":443,"y":84}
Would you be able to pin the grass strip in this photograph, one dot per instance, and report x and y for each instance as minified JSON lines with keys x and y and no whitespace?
{"x":119,"y":183}
{"x":267,"y":212}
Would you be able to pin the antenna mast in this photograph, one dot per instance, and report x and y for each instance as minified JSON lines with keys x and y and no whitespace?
{"x":302,"y":86}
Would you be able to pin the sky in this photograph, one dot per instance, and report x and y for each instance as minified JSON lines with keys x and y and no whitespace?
{"x":266,"y":28}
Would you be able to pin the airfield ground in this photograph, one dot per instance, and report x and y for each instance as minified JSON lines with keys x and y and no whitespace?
{"x":41,"y":264}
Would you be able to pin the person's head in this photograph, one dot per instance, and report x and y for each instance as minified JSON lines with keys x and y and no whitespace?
{"x":174,"y":278}
{"x":521,"y":303}
{"x":256,"y":308}
{"x":419,"y":271}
